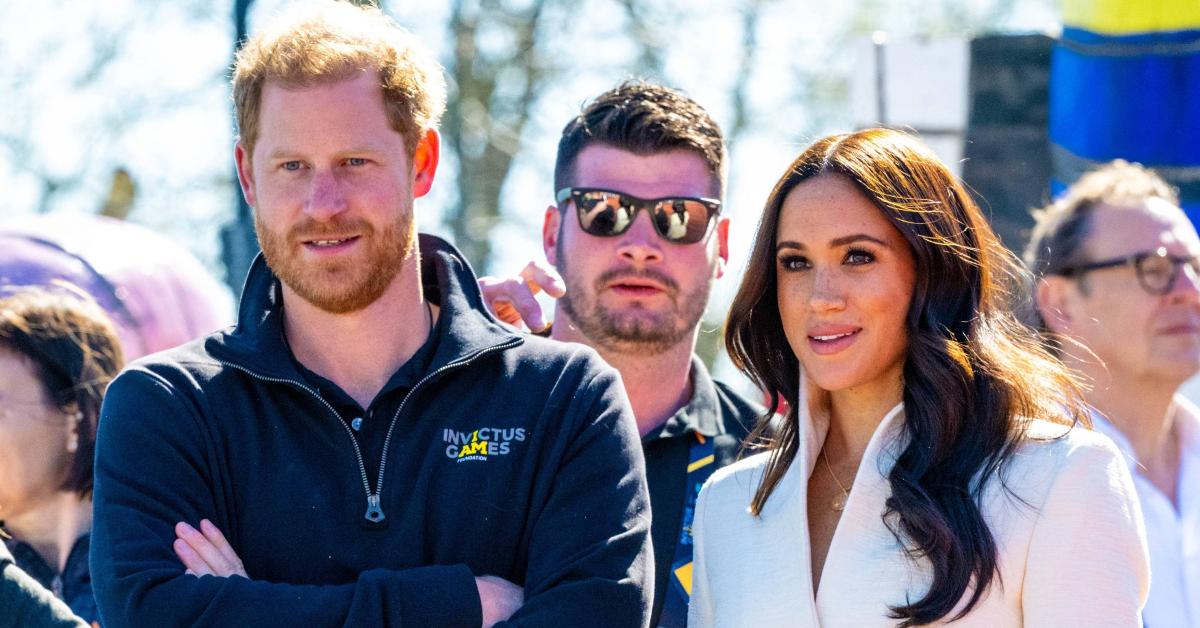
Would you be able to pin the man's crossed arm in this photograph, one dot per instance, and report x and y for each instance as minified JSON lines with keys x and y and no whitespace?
{"x":206,"y":552}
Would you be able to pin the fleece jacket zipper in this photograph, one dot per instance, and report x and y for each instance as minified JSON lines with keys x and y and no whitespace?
{"x":374,"y":512}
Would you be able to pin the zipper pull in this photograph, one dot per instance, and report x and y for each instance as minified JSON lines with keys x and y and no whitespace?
{"x":374,"y":512}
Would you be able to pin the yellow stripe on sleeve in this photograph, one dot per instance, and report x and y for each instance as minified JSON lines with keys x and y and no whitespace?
{"x":707,"y":460}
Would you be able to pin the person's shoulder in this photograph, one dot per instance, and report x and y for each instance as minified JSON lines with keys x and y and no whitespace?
{"x":193,"y":353}
{"x":187,"y":362}
{"x":180,"y":375}
{"x":1053,"y":455}
{"x":564,"y":380}
{"x":558,"y":358}
{"x":1058,"y":442}
{"x":750,"y":466}
{"x":737,"y":482}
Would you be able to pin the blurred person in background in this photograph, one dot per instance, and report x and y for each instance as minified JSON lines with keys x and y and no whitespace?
{"x":929,"y":469}
{"x":157,"y":294}
{"x":1119,"y":300}
{"x":57,"y":354}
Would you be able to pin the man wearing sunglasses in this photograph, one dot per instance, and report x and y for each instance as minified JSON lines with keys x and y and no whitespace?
{"x":638,"y":236}
{"x":1119,"y":295}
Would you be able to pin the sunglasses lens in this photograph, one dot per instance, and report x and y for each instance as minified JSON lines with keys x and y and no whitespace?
{"x":602,"y":214}
{"x":681,"y":220}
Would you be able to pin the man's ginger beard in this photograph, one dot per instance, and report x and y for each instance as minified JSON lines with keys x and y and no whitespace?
{"x":342,"y":285}
{"x":643,"y":331}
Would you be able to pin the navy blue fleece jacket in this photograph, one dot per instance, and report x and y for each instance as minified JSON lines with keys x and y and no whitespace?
{"x":488,"y":453}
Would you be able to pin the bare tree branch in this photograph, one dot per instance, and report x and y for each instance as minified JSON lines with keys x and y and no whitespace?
{"x":485,"y":119}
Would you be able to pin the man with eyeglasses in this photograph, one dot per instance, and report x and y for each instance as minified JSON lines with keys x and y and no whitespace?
{"x":1119,"y":298}
{"x":638,"y":238}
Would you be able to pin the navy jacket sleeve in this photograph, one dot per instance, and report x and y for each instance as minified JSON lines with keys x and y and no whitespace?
{"x":153,"y":459}
{"x":590,"y":560}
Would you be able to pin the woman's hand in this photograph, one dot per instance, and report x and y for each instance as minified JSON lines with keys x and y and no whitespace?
{"x":206,"y":552}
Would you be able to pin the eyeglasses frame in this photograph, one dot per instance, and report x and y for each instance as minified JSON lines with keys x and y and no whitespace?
{"x":1136,"y":260}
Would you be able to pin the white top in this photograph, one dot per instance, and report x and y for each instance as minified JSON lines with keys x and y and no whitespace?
{"x":1071,"y":546}
{"x":1173,"y":536}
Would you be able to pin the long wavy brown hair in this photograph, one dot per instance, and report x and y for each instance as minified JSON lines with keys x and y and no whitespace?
{"x":974,"y":376}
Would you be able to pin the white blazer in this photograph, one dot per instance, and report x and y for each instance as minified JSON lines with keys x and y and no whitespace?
{"x":1073,"y":554}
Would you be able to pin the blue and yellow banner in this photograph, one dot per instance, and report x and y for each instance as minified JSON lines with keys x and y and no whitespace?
{"x":1125,"y":83}
{"x":1131,"y":17}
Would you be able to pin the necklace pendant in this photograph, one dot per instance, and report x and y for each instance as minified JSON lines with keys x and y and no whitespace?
{"x":839,"y":503}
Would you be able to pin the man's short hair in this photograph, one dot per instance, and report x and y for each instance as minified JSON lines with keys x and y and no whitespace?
{"x":1061,"y":228}
{"x":330,"y":42}
{"x":642,"y":118}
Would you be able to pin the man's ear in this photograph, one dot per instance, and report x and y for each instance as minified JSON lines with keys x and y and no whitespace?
{"x":425,"y":162}
{"x":1056,"y":298}
{"x":722,"y":236}
{"x":550,"y":234}
{"x":245,"y":175}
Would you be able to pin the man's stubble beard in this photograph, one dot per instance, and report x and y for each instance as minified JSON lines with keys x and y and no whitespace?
{"x":644,"y":332}
{"x":343,"y":286}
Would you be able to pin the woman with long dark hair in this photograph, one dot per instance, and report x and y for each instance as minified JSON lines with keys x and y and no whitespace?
{"x":929,"y":469}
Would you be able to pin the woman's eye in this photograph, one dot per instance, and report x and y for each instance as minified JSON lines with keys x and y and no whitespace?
{"x":794,"y":262}
{"x":856,"y":258}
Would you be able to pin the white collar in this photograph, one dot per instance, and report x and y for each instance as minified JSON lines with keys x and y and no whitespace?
{"x":1186,"y":423}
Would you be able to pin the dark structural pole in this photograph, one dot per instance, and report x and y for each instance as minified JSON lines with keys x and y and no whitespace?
{"x":1008,"y":148}
{"x":238,"y":244}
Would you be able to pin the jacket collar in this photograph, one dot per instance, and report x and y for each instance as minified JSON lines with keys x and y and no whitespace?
{"x":465,"y":326}
{"x":787,"y":509}
{"x":1187,"y":426}
{"x":702,"y":413}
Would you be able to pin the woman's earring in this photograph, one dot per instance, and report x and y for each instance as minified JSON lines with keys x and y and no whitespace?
{"x":73,"y":435}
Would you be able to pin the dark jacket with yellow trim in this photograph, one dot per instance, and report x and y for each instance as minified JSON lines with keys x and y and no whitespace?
{"x":226,"y":428}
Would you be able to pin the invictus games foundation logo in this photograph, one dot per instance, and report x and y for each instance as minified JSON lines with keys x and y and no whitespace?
{"x":481,"y":444}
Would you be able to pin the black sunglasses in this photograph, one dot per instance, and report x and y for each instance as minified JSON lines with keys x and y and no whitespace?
{"x":605,"y":213}
{"x":1156,"y":270}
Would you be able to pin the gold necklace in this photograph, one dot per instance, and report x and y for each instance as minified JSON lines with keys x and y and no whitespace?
{"x":839,"y":503}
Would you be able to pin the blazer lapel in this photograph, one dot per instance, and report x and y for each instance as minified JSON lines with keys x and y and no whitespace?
{"x":813,"y":425}
{"x":865,"y":568}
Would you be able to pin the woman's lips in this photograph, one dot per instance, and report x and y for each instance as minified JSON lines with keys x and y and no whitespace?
{"x":830,"y":341}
